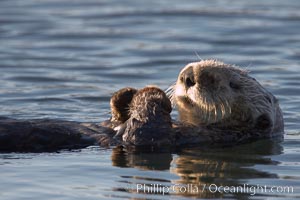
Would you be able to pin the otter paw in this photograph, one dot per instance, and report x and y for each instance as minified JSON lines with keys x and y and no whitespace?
{"x":149,"y":121}
{"x":119,"y":104}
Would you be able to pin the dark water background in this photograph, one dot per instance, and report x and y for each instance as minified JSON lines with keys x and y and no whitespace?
{"x":63,"y":59}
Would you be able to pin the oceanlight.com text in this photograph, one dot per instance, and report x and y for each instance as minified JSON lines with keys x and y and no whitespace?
{"x":212,"y":188}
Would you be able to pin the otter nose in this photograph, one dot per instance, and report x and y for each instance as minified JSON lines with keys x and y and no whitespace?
{"x":188,"y":79}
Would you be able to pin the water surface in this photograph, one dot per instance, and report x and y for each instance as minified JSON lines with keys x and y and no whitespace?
{"x":63,"y":59}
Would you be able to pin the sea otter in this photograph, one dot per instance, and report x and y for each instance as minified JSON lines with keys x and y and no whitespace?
{"x":217,"y":104}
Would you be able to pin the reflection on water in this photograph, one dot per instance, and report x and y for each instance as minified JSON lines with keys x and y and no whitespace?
{"x":197,"y":168}
{"x":142,"y":159}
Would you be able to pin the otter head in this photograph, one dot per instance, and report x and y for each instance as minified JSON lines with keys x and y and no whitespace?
{"x":211,"y":92}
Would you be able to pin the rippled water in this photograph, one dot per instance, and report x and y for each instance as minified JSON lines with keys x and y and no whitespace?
{"x":63,"y":59}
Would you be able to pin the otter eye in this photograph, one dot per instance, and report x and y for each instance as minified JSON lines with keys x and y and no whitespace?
{"x":234,"y":85}
{"x":189,"y":82}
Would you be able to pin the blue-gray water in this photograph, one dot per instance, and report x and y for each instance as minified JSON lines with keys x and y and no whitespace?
{"x":63,"y":59}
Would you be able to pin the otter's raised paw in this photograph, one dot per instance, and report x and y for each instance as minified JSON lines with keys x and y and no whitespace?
{"x":119,"y":104}
{"x":149,"y":120}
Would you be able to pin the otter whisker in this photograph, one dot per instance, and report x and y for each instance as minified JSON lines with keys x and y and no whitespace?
{"x":215,"y":112}
{"x":219,"y":111}
{"x":208,"y":112}
{"x":223,"y":109}
{"x":198,"y":55}
{"x":170,"y":92}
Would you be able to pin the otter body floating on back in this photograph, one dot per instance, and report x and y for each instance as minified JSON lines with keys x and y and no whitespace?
{"x":217,"y":104}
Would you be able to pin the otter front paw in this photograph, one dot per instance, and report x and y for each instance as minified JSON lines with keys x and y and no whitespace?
{"x":119,"y":104}
{"x":149,"y":120}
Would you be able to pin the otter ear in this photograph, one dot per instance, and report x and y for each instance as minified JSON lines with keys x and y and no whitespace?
{"x":263,"y":122}
{"x":119,"y":104}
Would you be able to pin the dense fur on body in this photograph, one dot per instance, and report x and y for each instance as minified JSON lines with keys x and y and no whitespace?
{"x":40,"y":135}
{"x":212,"y":93}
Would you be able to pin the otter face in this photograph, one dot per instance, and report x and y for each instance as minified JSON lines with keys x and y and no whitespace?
{"x":209,"y":91}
